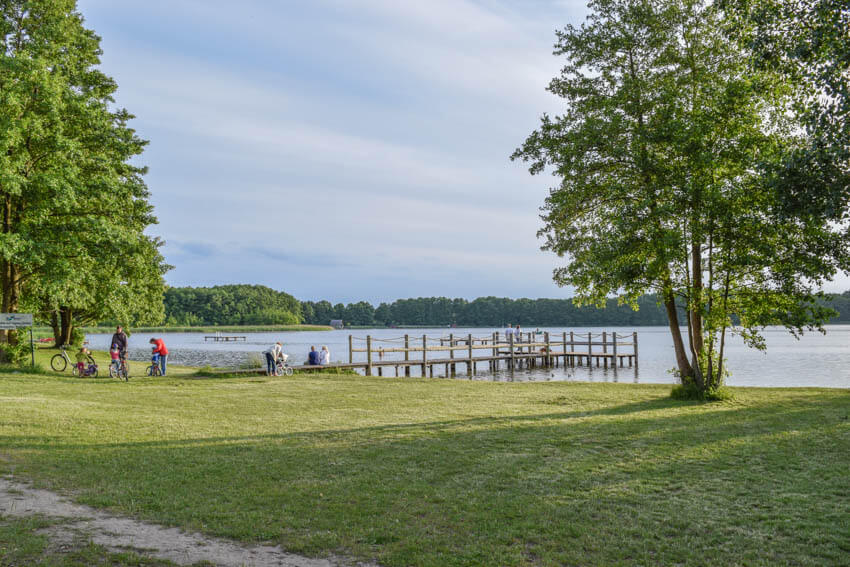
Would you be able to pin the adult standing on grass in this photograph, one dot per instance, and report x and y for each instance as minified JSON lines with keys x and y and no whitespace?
{"x":159,"y":348}
{"x":120,"y":339}
{"x":272,"y":355}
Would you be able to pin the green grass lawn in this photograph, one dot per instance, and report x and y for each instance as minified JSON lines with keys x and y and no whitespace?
{"x":450,"y":472}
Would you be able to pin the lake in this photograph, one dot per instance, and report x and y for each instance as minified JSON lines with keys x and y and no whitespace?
{"x":814,"y":360}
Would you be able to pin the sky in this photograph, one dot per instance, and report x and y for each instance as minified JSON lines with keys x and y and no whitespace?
{"x":342,"y":149}
{"x":338,"y":149}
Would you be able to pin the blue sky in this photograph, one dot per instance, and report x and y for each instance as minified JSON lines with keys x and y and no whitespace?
{"x":342,"y":149}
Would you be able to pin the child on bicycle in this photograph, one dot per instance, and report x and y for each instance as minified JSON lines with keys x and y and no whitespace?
{"x":115,"y":354}
{"x":82,"y":359}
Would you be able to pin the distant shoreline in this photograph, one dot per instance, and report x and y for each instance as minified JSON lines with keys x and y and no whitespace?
{"x":205,"y":329}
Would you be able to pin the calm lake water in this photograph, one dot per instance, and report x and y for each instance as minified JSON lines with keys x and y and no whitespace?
{"x":814,"y":360}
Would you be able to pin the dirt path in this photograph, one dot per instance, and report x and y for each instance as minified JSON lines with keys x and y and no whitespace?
{"x":120,"y":534}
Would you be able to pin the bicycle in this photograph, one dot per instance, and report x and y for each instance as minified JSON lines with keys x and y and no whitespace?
{"x":88,"y":371}
{"x":59,"y":362}
{"x":121,"y":372}
{"x":282,"y":367}
{"x":154,"y":369}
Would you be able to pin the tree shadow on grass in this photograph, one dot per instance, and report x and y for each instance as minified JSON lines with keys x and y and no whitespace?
{"x":657,"y":481}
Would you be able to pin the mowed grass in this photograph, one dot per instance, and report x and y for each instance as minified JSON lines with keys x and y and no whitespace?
{"x":450,"y":472}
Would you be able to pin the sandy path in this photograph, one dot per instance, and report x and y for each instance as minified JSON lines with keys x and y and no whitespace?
{"x":120,"y":534}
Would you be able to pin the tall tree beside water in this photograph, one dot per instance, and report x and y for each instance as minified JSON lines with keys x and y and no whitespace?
{"x":74,"y":206}
{"x":662,"y":157}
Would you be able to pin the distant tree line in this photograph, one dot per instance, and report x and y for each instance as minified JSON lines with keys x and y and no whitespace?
{"x":261,"y":305}
{"x":498,"y":311}
{"x":230,"y":305}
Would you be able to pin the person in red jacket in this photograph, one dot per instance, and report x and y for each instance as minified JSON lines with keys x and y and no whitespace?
{"x":159,"y":348}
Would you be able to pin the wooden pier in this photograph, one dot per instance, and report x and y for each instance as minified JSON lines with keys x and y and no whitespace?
{"x":224,"y":338}
{"x":527,"y":350}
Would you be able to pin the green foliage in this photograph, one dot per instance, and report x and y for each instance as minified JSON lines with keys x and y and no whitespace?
{"x":72,"y":244}
{"x":690,"y":391}
{"x":663,"y":158}
{"x":230,"y":305}
{"x":15,"y":353}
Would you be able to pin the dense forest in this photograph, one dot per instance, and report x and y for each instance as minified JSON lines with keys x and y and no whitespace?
{"x":230,"y":305}
{"x":260,"y":305}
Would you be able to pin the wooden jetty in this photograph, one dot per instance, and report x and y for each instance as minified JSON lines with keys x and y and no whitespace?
{"x":224,"y":338}
{"x":514,"y":351}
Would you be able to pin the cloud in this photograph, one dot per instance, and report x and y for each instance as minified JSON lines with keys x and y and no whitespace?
{"x":341,"y":150}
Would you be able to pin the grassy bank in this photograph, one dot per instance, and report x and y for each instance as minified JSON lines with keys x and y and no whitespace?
{"x":440,"y":472}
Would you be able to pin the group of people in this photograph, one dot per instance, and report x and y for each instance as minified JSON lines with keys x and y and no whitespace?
{"x":118,"y":351}
{"x":516,"y":332}
{"x":318,"y":358}
{"x":275,"y":354}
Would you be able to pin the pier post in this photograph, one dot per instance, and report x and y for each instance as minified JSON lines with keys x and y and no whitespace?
{"x":572,"y":349}
{"x":590,"y":350}
{"x":494,"y":364}
{"x":368,"y":355}
{"x":469,"y":363}
{"x":451,"y":352}
{"x":548,"y":349}
{"x":511,"y":346}
{"x":564,"y":341}
{"x":424,"y":353}
{"x":350,"y":350}
{"x":614,"y":341}
{"x":605,"y":349}
{"x":634,"y":340}
{"x":406,"y":355}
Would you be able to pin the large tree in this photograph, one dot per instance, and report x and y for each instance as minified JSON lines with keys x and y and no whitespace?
{"x":661,"y":155}
{"x":74,"y":204}
{"x":808,"y":43}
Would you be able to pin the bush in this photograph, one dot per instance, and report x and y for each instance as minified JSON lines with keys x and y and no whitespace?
{"x":691,"y":392}
{"x":17,"y":354}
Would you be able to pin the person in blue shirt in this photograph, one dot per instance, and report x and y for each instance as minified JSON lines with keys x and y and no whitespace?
{"x":313,"y":359}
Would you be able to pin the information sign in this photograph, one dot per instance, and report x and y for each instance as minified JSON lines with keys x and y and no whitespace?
{"x":15,"y":320}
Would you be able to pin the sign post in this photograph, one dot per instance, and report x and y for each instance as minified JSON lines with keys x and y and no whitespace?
{"x":12,"y":321}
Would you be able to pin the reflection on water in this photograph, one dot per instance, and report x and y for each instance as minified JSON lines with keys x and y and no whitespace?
{"x":815,"y":360}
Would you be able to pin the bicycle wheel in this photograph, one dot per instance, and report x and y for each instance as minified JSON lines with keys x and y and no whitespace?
{"x":93,"y":372}
{"x":150,"y":370}
{"x":125,"y":374}
{"x":112,"y":372}
{"x":58,"y":363}
{"x":288,"y":371}
{"x":74,"y":371}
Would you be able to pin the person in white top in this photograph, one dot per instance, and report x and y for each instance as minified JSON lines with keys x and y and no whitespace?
{"x":271,"y":358}
{"x":508,"y":332}
{"x":325,"y":356}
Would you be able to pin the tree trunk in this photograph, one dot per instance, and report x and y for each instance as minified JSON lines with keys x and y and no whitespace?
{"x":695,"y":310}
{"x":57,"y":330}
{"x":685,"y":370}
{"x":66,"y":321}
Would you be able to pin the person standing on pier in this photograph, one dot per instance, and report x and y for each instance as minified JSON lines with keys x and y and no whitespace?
{"x":508,"y":332}
{"x":518,"y":334}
